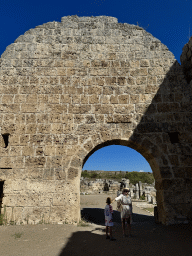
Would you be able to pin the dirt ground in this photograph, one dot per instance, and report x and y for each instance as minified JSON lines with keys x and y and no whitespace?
{"x":58,"y":240}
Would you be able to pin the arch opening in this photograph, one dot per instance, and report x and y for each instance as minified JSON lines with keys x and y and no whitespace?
{"x":133,"y":145}
{"x":139,"y":190}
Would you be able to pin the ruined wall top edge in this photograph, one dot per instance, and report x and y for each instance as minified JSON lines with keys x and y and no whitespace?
{"x":186,"y":60}
{"x":103,"y":24}
{"x":71,"y":22}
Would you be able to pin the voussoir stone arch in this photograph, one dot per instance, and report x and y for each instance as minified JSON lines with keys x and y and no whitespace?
{"x":67,"y":87}
{"x":148,"y":149}
{"x":144,"y":150}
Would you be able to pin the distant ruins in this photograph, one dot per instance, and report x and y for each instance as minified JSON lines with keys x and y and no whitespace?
{"x":72,"y":87}
{"x":101,"y":185}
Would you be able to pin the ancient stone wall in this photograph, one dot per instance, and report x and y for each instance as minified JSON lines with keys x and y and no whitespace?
{"x":69,"y":88}
{"x":186,"y":61}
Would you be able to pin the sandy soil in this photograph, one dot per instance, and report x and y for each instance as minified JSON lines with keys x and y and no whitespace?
{"x":57,"y":240}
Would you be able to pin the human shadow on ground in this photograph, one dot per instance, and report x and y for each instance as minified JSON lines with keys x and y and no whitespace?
{"x":96,"y":216}
{"x":148,"y":239}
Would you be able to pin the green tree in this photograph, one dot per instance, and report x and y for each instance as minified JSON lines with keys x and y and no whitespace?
{"x":135,"y":177}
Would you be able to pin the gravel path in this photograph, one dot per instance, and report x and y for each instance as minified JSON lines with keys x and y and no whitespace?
{"x":57,"y":240}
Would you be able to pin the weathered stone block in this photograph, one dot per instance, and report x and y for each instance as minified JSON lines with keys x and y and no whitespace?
{"x":35,"y":161}
{"x":123,"y":99}
{"x":60,"y":174}
{"x":8,"y":99}
{"x":48,"y":174}
{"x":144,"y":63}
{"x":43,"y":128}
{"x":134,"y":98}
{"x":88,"y":146}
{"x":72,"y":173}
{"x":139,"y":72}
{"x":127,"y":109}
{"x":78,"y":109}
{"x":6,"y":162}
{"x":141,"y":80}
{"x":103,"y":109}
{"x":94,"y":99}
{"x":114,"y":99}
{"x":31,"y":128}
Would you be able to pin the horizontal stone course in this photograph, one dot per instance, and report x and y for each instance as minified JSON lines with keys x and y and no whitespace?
{"x":70,"y":87}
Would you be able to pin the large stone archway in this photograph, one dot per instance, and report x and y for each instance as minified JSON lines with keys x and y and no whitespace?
{"x":67,"y":88}
{"x":141,"y":148}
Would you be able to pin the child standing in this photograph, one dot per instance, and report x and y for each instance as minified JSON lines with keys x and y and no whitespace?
{"x":109,"y":219}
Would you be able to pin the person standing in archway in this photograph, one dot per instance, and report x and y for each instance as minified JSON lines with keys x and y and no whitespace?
{"x":126,"y":210}
{"x":108,"y":211}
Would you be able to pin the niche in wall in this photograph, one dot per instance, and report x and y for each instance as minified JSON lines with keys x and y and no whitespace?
{"x":174,"y":138}
{"x":6,"y":139}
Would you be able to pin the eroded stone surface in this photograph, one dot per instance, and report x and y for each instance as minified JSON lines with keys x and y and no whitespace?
{"x":69,"y":88}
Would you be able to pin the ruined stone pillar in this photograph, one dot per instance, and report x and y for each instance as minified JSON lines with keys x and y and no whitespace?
{"x":131,"y":192}
{"x":149,"y":198}
{"x":137,"y":191}
{"x":140,"y":189}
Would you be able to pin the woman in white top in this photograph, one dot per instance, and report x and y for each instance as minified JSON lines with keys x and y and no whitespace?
{"x":126,"y":209}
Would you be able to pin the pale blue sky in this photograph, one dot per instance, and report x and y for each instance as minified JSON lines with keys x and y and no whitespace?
{"x":117,"y":158}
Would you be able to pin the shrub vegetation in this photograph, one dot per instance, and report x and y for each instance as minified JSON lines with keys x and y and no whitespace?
{"x":134,"y":177}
